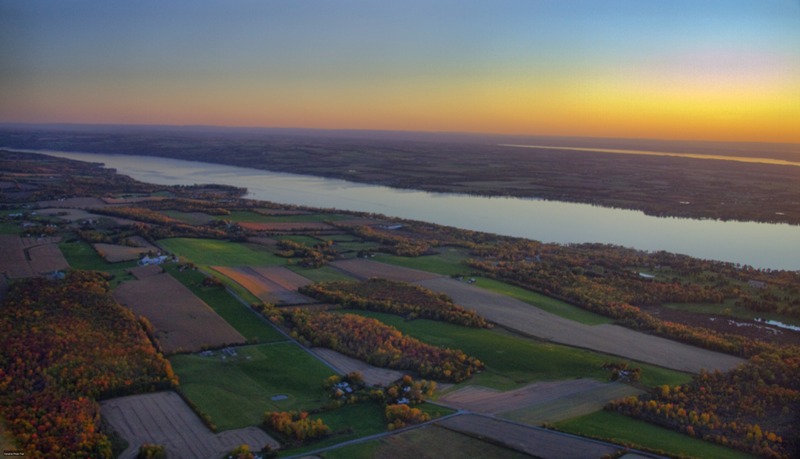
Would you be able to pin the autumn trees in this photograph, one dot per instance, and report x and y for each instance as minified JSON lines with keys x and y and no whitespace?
{"x":398,"y":298}
{"x":312,"y":257}
{"x":381,"y":345}
{"x":599,"y":278}
{"x":753,"y":407}
{"x":296,"y":426}
{"x":63,"y":346}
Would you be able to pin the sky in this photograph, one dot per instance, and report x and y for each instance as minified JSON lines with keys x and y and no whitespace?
{"x":668,"y":69}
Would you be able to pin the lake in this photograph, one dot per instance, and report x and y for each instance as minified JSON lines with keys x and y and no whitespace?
{"x":762,"y":245}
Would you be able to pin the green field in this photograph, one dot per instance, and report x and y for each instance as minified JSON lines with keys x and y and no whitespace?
{"x":639,"y":434}
{"x":236,"y":392}
{"x":551,"y":305}
{"x":323,"y":274}
{"x":513,"y":361}
{"x":233,"y":286}
{"x":243,"y":319}
{"x":252,"y":217}
{"x":366,"y":450}
{"x":341,"y":238}
{"x":81,"y":255}
{"x":447,"y":262}
{"x":10,"y":228}
{"x":300,"y":239}
{"x":191,"y":218}
{"x":211,"y":252}
{"x":347,"y":423}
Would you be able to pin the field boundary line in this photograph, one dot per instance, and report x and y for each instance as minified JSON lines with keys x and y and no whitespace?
{"x":282,"y":332}
{"x":377,"y":436}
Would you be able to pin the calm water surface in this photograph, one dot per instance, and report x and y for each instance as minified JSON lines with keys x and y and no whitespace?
{"x":762,"y":245}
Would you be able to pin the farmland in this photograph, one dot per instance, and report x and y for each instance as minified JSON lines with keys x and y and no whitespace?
{"x":12,"y":258}
{"x":286,"y":226}
{"x":522,"y":317}
{"x":114,"y":253}
{"x":398,"y":298}
{"x":512,"y":361}
{"x":322,"y":274}
{"x":163,"y":418}
{"x":182,"y":321}
{"x":27,"y":257}
{"x":235,"y":391}
{"x":243,"y":319}
{"x":612,"y":426}
{"x":192,"y":218}
{"x":543,"y":302}
{"x":571,"y":405}
{"x":611,"y":339}
{"x":344,"y":364}
{"x":482,"y":400}
{"x":536,"y":442}
{"x":542,"y":362}
{"x":209,"y":252}
{"x":252,"y":217}
{"x":47,"y":258}
{"x":81,"y":255}
{"x":272,"y":284}
{"x":449,"y":263}
{"x":364,"y":269}
{"x":429,"y":443}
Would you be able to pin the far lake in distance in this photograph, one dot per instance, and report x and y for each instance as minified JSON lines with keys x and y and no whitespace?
{"x":762,"y":245}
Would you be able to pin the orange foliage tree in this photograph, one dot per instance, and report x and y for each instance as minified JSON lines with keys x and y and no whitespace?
{"x":63,"y":346}
{"x":380,"y":345}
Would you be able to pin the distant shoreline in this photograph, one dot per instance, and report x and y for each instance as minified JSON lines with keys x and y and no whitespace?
{"x":741,"y":159}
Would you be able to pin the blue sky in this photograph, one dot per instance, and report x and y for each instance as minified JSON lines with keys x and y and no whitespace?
{"x":685,"y":69}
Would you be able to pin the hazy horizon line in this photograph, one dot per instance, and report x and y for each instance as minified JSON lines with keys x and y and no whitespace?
{"x":241,"y":129}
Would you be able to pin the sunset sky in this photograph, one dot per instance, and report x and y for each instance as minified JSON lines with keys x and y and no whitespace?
{"x":694,"y":69}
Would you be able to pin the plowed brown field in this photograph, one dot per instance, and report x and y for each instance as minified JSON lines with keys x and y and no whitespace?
{"x":364,"y":269}
{"x":534,"y":441}
{"x":73,"y":202}
{"x":13,"y":263}
{"x":47,"y":258}
{"x":114,"y":253}
{"x":485,"y":400}
{"x":74,"y":214}
{"x":182,"y":321}
{"x":164,"y":418}
{"x":274,"y":284}
{"x":372,"y":375}
{"x":540,"y":402}
{"x":28,"y":257}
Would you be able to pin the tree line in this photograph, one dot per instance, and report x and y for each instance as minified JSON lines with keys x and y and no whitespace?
{"x":399,"y":298}
{"x":64,"y":345}
{"x":381,"y":345}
